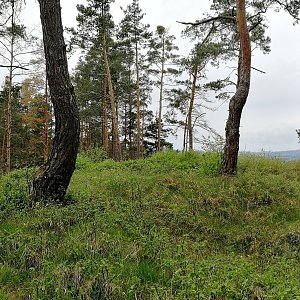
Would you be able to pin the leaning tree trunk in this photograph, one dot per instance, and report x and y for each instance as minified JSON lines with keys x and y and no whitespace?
{"x":51,"y":182}
{"x":237,"y":102}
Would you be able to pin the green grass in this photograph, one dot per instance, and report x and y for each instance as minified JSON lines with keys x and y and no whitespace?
{"x":166,"y":227}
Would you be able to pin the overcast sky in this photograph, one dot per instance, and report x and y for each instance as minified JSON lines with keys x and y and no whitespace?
{"x":272,"y":112}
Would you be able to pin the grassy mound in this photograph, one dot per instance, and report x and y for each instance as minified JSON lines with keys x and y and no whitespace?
{"x":167,"y":227}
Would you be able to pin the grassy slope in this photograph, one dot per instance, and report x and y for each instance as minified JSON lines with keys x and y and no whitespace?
{"x":167,"y":227}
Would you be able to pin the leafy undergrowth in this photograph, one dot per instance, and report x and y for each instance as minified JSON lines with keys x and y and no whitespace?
{"x":167,"y":227}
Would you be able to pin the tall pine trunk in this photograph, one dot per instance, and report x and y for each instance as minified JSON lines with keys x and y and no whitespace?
{"x":130,"y":133}
{"x":185,"y":135}
{"x":161,"y":91}
{"x":53,"y":178}
{"x":237,"y":102}
{"x":105,"y":119}
{"x":191,"y":107}
{"x":116,"y":147}
{"x":9,"y":119}
{"x":138,"y":104}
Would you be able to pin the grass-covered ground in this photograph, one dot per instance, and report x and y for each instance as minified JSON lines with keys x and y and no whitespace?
{"x":167,"y":227}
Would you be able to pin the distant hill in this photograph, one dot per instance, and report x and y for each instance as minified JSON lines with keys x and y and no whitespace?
{"x":285,"y":155}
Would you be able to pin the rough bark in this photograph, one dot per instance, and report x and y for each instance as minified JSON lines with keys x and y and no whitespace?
{"x":46,"y":123}
{"x":237,"y":102}
{"x":53,"y":178}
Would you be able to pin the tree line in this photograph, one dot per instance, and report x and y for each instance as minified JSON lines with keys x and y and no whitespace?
{"x":119,"y":67}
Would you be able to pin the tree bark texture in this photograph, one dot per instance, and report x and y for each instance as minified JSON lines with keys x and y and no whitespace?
{"x":46,"y":122}
{"x":237,"y":102}
{"x":52,"y":180}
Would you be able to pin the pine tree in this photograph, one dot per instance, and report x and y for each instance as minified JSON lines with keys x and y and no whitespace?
{"x":163,"y":66}
{"x":205,"y":51}
{"x":135,"y":34}
{"x":17,"y":137}
{"x":95,"y":29}
{"x":91,"y":96}
{"x":52,"y":180}
{"x":12,"y":34}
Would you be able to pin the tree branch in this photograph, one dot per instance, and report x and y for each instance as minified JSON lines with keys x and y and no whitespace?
{"x":6,"y":21}
{"x":288,"y":9}
{"x":258,"y":70}
{"x":218,"y":18}
{"x":15,"y":67}
{"x":258,"y":14}
{"x":255,"y":25}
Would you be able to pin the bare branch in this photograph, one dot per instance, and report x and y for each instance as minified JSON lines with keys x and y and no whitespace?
{"x":6,"y":21}
{"x":4,"y":57}
{"x":7,"y":49}
{"x":263,"y":72}
{"x":15,"y":67}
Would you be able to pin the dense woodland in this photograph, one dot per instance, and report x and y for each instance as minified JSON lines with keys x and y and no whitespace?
{"x":134,"y":88}
{"x":120,"y":67}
